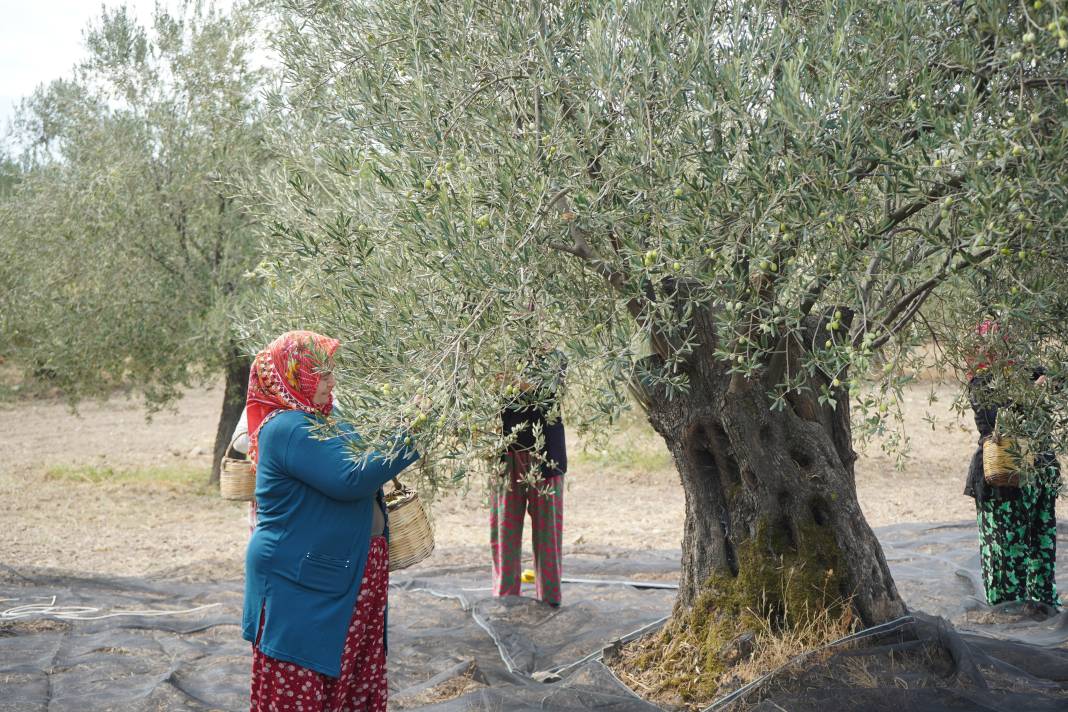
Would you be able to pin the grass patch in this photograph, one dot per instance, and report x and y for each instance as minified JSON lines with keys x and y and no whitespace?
{"x":176,"y":478}
{"x":627,"y":459}
{"x":631,"y":445}
{"x":15,"y":386}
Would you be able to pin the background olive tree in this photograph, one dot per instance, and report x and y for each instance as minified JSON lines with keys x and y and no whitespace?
{"x":750,"y":213}
{"x":130,"y":245}
{"x":9,"y":178}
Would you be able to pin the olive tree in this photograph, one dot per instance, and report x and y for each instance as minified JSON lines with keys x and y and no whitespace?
{"x":9,"y":176}
{"x":131,"y":245}
{"x":748,"y":213}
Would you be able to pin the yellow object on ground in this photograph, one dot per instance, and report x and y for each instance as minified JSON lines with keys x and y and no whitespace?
{"x":528,"y":576}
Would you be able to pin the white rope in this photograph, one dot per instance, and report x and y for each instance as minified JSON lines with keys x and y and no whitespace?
{"x":84,"y":613}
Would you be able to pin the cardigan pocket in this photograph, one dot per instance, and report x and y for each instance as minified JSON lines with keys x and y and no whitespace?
{"x":329,"y":574}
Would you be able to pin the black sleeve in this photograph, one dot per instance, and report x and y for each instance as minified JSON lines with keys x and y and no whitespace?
{"x":986,"y":412}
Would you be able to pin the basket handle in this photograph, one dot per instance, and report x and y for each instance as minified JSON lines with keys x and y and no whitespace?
{"x":995,"y":435}
{"x":230,"y":447}
{"x":398,"y":486}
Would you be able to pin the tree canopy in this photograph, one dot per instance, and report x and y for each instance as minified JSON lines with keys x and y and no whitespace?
{"x":131,"y":245}
{"x":752,"y":215}
{"x":643,"y":170}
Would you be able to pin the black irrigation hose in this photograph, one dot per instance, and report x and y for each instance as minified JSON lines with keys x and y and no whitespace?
{"x":598,"y":655}
{"x":719,"y":704}
{"x":505,"y":657}
{"x":623,"y":582}
{"x":479,"y":621}
{"x":733,"y":696}
{"x":887,"y":627}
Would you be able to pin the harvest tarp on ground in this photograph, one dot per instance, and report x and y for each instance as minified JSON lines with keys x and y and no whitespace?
{"x":454,"y":648}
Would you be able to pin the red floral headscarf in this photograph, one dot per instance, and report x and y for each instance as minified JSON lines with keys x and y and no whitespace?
{"x":285,"y":376}
{"x":990,"y":349}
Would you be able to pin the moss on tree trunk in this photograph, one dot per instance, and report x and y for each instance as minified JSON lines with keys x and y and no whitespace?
{"x":774,"y":537}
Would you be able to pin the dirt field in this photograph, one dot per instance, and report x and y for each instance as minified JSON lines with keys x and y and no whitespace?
{"x":107,"y":493}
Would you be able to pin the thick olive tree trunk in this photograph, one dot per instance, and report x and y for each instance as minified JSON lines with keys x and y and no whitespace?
{"x":237,"y":371}
{"x":769,"y":489}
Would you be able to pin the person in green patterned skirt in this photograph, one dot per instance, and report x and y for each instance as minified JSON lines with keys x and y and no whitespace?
{"x":1017,"y":525}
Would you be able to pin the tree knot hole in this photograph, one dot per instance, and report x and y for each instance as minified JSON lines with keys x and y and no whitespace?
{"x":801,"y":458}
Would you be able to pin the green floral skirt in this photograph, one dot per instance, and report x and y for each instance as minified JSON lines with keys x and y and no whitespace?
{"x":1018,"y":545}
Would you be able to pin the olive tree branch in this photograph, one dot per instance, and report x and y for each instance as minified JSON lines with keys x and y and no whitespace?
{"x":910,"y":304}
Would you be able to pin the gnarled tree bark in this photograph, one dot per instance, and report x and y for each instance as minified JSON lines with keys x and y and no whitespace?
{"x":778,"y":480}
{"x":237,"y":371}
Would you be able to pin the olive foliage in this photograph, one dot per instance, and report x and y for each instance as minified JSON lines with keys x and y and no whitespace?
{"x":130,"y":245}
{"x":470,"y":180}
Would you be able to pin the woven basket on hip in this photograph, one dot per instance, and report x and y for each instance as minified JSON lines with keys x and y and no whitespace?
{"x":1001,"y":460}
{"x":411,"y":538}
{"x":237,"y":480}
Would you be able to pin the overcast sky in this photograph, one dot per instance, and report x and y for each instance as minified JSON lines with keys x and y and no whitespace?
{"x":41,"y":40}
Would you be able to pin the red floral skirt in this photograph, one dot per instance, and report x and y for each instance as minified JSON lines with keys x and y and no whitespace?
{"x":279,"y":686}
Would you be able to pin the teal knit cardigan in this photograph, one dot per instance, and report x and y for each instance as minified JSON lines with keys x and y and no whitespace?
{"x":305,"y":559}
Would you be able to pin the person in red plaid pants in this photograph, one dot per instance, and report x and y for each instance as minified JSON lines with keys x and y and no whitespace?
{"x":533,"y":480}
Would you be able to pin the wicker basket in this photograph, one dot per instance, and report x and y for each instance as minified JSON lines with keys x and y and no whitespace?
{"x":1001,"y":460}
{"x":411,"y":538}
{"x":237,"y":481}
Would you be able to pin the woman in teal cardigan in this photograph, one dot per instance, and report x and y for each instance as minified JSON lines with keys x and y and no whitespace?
{"x":317,"y":566}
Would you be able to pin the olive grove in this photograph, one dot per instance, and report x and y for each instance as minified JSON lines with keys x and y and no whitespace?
{"x":130,"y":247}
{"x":750,"y":215}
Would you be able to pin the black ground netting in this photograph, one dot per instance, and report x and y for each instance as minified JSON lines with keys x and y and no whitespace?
{"x":936,"y":567}
{"x":454,"y":648}
{"x":921,"y":665}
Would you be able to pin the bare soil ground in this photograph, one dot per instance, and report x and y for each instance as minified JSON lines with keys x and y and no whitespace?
{"x":105,"y":492}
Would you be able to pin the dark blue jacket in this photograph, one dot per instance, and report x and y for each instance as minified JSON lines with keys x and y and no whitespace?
{"x":540,"y":409}
{"x":306,"y":556}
